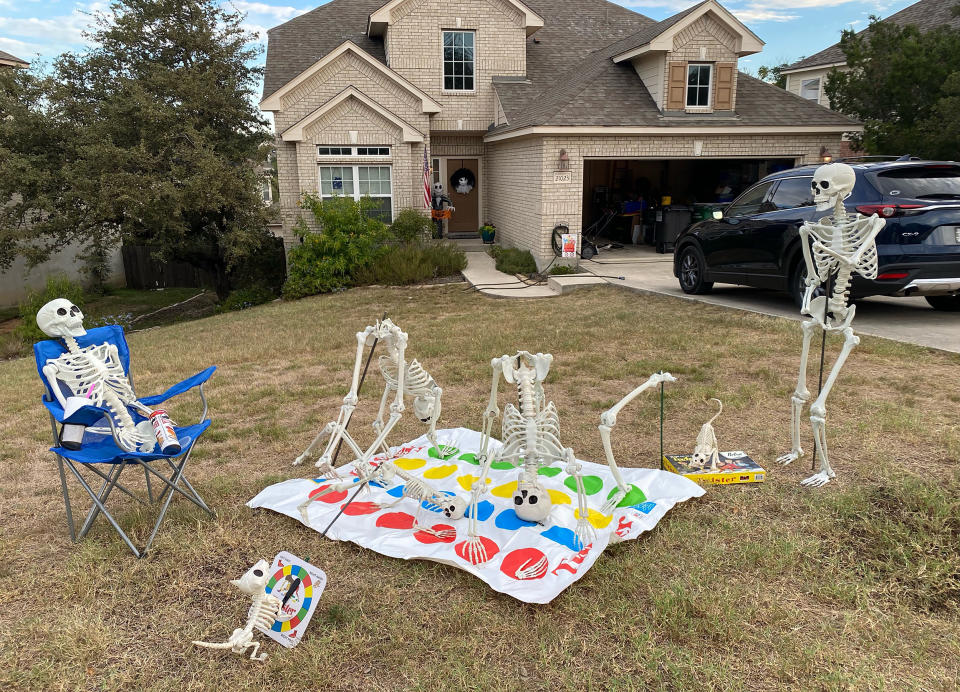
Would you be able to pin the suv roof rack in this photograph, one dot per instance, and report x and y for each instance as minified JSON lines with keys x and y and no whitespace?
{"x":877,"y":158}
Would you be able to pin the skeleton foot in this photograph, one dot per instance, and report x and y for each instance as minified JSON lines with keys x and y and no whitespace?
{"x":817,"y":480}
{"x":584,"y":532}
{"x":789,"y":457}
{"x":475,"y":550}
{"x":303,"y":507}
{"x":612,"y":503}
{"x":533,"y":570}
{"x":441,"y":534}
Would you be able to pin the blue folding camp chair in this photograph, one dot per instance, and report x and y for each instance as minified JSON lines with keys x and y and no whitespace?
{"x":99,"y":445}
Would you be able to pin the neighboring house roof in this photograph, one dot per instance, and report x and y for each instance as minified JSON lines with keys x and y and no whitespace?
{"x":925,"y":15}
{"x":11,"y":60}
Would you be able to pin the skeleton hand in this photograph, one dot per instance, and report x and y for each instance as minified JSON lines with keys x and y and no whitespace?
{"x":584,"y":532}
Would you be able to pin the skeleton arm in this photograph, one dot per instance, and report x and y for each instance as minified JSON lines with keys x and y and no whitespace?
{"x":50,"y":372}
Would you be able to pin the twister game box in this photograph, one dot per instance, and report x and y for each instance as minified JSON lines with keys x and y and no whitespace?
{"x":733,"y":467}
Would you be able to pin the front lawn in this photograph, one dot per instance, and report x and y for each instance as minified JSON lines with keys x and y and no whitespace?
{"x":852,"y":586}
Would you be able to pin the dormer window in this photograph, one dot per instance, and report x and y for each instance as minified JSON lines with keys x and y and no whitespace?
{"x":458,"y":60}
{"x":698,"y":85}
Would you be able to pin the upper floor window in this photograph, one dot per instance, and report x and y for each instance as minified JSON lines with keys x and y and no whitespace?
{"x":810,"y":89}
{"x":458,"y":60}
{"x":353,"y":151}
{"x":698,"y":84}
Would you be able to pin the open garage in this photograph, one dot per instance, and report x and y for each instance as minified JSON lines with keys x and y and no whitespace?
{"x":649,"y":201}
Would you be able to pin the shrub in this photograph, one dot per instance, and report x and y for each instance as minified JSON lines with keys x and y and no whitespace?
{"x":244,"y":298}
{"x":57,"y":286}
{"x":561,"y":269}
{"x":410,"y":225}
{"x":512,"y":260}
{"x":350,"y":240}
{"x":414,"y":263}
{"x":264,"y":269}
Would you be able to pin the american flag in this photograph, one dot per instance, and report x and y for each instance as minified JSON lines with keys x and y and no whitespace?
{"x":426,"y":180}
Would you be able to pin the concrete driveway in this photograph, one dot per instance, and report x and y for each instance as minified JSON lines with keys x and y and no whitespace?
{"x":904,"y":319}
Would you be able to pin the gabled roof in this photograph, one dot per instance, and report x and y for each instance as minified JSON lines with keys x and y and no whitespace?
{"x":659,"y":36}
{"x":294,"y":133}
{"x":272,"y":102}
{"x":925,"y":15}
{"x":381,"y":18}
{"x":11,"y":60}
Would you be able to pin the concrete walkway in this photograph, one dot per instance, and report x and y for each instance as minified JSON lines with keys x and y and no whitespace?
{"x":910,"y":320}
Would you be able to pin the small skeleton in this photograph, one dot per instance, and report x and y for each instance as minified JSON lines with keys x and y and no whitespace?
{"x":402,"y":379}
{"x":843,"y":244}
{"x":707,"y":454}
{"x":263,"y":613}
{"x":95,"y":372}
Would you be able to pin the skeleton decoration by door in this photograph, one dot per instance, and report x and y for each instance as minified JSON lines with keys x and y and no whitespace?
{"x":530,"y":437}
{"x":94,"y":372}
{"x":842,"y":245}
{"x":402,"y":378}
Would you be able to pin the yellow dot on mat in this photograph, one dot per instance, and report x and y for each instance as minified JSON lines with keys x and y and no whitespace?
{"x":598,"y":520}
{"x":440,"y":471}
{"x":558,"y":498}
{"x":505,"y":490}
{"x":409,"y":464}
{"x":466,"y":482}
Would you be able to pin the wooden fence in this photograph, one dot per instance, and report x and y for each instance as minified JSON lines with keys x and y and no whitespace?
{"x":145,"y":272}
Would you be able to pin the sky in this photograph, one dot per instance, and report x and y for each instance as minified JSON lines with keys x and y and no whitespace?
{"x":791,"y":29}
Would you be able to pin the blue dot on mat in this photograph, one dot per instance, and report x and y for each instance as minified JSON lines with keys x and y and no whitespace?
{"x":564,"y":537}
{"x":645,"y":507}
{"x":484,"y":510}
{"x":508,"y":520}
{"x":396,"y":492}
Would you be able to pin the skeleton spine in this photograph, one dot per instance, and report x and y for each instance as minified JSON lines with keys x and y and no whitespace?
{"x":110,"y":398}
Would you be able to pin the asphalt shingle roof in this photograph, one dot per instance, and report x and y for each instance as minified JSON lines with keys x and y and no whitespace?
{"x":4,"y":55}
{"x":925,"y":15}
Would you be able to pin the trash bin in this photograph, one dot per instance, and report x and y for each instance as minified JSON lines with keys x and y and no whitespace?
{"x":673,"y":219}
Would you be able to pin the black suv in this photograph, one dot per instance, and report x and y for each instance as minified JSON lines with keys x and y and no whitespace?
{"x":757,"y":241}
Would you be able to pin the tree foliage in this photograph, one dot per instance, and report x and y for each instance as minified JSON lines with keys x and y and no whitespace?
{"x":773,"y":74}
{"x":903,"y":85}
{"x":150,"y":136}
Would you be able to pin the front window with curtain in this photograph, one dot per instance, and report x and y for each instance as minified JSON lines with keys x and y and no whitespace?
{"x":358,"y":182}
{"x":698,"y":85}
{"x":458,"y":60}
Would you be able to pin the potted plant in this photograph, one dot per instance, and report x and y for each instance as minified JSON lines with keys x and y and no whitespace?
{"x":488,"y":232}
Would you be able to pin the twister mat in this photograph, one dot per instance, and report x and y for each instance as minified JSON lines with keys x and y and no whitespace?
{"x":531,"y":562}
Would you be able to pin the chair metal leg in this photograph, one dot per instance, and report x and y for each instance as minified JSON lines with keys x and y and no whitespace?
{"x":96,"y":501}
{"x":66,"y":500}
{"x":163,"y":511}
{"x":146,"y":477}
{"x":169,"y":484}
{"x":119,"y":486}
{"x":104,"y":494}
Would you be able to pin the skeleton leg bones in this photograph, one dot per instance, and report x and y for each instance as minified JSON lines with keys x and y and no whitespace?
{"x":800,"y":396}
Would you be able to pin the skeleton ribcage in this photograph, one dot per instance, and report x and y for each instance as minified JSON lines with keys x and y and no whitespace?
{"x":514,"y":434}
{"x":416,"y":380}
{"x":93,"y":364}
{"x":845,"y":238}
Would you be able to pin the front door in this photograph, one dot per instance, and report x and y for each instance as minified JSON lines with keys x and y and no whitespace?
{"x":463,"y":190}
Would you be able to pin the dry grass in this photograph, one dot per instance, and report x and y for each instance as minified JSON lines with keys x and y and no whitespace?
{"x":854,"y":586}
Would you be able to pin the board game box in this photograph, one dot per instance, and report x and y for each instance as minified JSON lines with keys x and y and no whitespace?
{"x":733,"y":467}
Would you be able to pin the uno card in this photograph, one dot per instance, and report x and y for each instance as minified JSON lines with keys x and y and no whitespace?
{"x":298,"y":584}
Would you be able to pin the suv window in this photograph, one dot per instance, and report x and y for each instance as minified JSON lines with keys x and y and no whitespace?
{"x":751,"y":201}
{"x":921,"y":182}
{"x":793,"y":192}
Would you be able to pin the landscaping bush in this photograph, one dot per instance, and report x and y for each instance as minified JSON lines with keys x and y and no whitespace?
{"x":350,"y":240}
{"x":57,"y":286}
{"x":414,"y":263}
{"x":410,"y":226}
{"x":512,"y":260}
{"x":561,"y":269}
{"x":244,"y":298}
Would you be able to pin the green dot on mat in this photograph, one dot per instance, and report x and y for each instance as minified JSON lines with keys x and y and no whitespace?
{"x":500,"y":465}
{"x":470,"y":458}
{"x":591,"y":484}
{"x":451,"y":451}
{"x":550,"y":471}
{"x":634,"y":497}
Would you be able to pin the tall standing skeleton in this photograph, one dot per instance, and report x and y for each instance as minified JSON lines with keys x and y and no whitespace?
{"x":842,"y":244}
{"x":94,"y":372}
{"x":401,"y":379}
{"x":530,"y":436}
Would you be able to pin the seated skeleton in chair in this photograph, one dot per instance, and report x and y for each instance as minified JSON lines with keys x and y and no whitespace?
{"x":94,"y":372}
{"x":401,"y":378}
{"x":840,"y":245}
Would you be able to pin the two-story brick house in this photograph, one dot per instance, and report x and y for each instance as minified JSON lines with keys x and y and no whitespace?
{"x":546,"y":108}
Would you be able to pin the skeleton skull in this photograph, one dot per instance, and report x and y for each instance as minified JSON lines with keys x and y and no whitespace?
{"x":832,"y":184}
{"x":60,"y":318}
{"x":424,"y":407}
{"x":254,"y":580}
{"x":455,"y":508}
{"x":532,"y":504}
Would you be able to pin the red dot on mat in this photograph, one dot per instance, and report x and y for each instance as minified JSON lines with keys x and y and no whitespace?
{"x":425,"y":537}
{"x":395,"y":520}
{"x":355,"y":509}
{"x":488,"y":545}
{"x":525,"y":564}
{"x":331,"y":497}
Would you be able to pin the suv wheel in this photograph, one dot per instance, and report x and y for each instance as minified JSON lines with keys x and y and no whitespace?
{"x":798,"y":285}
{"x":945,"y":303}
{"x":691,"y":269}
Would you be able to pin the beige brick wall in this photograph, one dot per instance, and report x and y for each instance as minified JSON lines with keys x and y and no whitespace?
{"x":525,"y":216}
{"x":416,"y":45}
{"x":706,"y":40}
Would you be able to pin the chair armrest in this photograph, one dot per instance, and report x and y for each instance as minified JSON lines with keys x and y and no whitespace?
{"x":179,"y":388}
{"x":85,"y":415}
